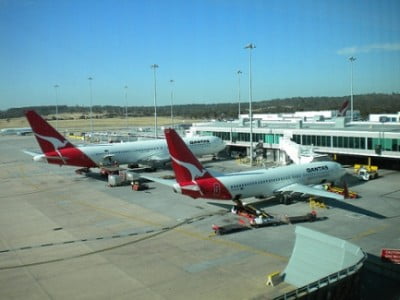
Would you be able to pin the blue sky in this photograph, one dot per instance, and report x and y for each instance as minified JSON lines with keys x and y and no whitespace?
{"x":302,"y":49}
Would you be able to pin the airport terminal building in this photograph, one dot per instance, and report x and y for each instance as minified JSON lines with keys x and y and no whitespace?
{"x":377,"y":140}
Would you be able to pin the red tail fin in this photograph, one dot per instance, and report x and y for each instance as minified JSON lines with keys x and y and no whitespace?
{"x":48,"y":138}
{"x":343,"y":109}
{"x":186,"y":166}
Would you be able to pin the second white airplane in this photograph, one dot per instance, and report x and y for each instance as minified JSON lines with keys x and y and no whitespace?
{"x":58,"y":150}
{"x":193,"y":180}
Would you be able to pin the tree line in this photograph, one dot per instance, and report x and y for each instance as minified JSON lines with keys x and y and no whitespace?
{"x":366,"y":104}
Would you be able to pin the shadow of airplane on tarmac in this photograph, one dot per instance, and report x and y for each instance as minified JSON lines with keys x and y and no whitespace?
{"x":330,"y":202}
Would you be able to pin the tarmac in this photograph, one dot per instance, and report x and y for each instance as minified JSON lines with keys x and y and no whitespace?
{"x":67,"y":236}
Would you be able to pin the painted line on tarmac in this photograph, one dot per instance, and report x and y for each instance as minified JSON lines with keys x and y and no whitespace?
{"x":101,"y":238}
{"x":116,"y":236}
{"x":369,"y":232}
{"x":146,"y":237}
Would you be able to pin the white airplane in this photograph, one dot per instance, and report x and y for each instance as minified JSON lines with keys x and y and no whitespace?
{"x":15,"y":131}
{"x":58,"y":150}
{"x":193,"y":180}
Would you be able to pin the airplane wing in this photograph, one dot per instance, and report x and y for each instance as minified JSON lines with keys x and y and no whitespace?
{"x":304,"y":189}
{"x":167,"y":182}
{"x":153,"y":161}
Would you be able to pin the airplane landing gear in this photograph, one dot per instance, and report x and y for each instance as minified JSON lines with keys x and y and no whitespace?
{"x":285,"y":199}
{"x":82,"y":171}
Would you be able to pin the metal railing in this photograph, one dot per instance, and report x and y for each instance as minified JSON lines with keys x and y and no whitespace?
{"x":322,"y":282}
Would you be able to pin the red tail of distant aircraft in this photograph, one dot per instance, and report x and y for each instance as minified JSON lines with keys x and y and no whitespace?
{"x":343,"y":109}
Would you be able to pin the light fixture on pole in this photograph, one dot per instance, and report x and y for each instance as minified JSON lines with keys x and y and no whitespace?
{"x":351,"y":59}
{"x":250,"y":47}
{"x":172,"y":102}
{"x":56,"y":86}
{"x":91,"y":104}
{"x":154,"y":67}
{"x":126,"y":105}
{"x":239,"y":73}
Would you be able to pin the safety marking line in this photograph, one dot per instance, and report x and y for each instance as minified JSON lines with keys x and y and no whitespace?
{"x":369,"y":232}
{"x":174,"y":227}
{"x":115,"y":236}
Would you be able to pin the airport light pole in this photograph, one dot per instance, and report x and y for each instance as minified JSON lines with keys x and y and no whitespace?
{"x":239,"y":73}
{"x":172,"y":102}
{"x":250,"y":46}
{"x":126,"y":105}
{"x":56,"y":86}
{"x":154,"y":67}
{"x":91,"y":104}
{"x":351,"y":59}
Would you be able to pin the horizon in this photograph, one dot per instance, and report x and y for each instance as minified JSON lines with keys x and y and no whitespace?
{"x":244,"y":103}
{"x":302,"y":50}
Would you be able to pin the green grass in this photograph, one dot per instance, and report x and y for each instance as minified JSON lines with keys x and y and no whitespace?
{"x":98,"y":124}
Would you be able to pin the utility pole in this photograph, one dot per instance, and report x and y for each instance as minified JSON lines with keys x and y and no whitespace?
{"x":126,"y":105}
{"x":91,"y":104}
{"x":154,"y":67}
{"x":172,"y":102}
{"x":239,"y":73}
{"x":56,"y":89}
{"x":250,"y":47}
{"x":351,"y":59}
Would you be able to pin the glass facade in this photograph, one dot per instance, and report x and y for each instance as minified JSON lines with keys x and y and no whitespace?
{"x":351,"y":142}
{"x":245,"y":137}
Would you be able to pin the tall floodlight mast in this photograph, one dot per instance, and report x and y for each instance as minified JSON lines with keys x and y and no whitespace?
{"x":172,"y":102}
{"x":250,"y":47}
{"x":239,"y":73}
{"x":154,"y":67}
{"x":126,"y":105}
{"x":56,"y":86}
{"x":351,"y":59}
{"x":91,"y":104}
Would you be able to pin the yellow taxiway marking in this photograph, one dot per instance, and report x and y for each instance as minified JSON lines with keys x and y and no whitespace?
{"x":368,"y":232}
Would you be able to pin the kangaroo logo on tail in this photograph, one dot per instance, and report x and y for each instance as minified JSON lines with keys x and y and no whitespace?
{"x":194,"y":171}
{"x":57,"y":144}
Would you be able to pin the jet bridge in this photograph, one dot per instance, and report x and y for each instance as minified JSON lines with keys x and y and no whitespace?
{"x":318,"y":261}
{"x":299,"y":154}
